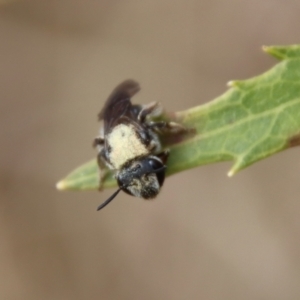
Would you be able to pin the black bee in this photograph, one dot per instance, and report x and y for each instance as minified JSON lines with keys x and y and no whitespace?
{"x":129,"y":143}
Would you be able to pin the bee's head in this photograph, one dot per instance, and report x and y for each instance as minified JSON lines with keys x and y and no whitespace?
{"x":140,"y":177}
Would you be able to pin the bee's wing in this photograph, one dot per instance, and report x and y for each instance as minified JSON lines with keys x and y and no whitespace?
{"x":118,"y":104}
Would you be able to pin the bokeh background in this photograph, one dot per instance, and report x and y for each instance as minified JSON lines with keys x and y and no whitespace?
{"x":206,"y":236}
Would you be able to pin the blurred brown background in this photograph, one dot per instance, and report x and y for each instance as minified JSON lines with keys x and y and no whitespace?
{"x":206,"y":236}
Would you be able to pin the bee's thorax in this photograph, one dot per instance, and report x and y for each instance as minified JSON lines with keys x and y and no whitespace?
{"x":124,"y":144}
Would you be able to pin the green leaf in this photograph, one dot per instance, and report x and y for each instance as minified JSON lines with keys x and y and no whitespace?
{"x":253,"y":119}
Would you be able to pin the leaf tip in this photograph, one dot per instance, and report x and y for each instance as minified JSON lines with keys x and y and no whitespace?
{"x":236,"y":167}
{"x":274,"y":51}
{"x":266,"y":48}
{"x":234,"y":83}
{"x":61,"y":185}
{"x":231,"y":173}
{"x":231,"y":83}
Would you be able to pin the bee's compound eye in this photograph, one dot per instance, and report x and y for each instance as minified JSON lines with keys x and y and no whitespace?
{"x":159,"y":169}
{"x":155,"y":164}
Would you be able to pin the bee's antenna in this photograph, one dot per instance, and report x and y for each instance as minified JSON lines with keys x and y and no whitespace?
{"x":109,"y":199}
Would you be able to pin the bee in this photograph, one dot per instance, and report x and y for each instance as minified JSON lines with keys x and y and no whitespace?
{"x":129,"y":143}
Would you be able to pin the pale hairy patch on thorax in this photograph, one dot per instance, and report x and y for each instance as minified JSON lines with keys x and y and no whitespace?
{"x":125,"y":145}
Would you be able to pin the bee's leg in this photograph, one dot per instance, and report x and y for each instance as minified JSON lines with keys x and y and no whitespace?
{"x":168,"y":127}
{"x":152,"y":109}
{"x":164,"y":156}
{"x":98,"y":141}
{"x":102,"y":169}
